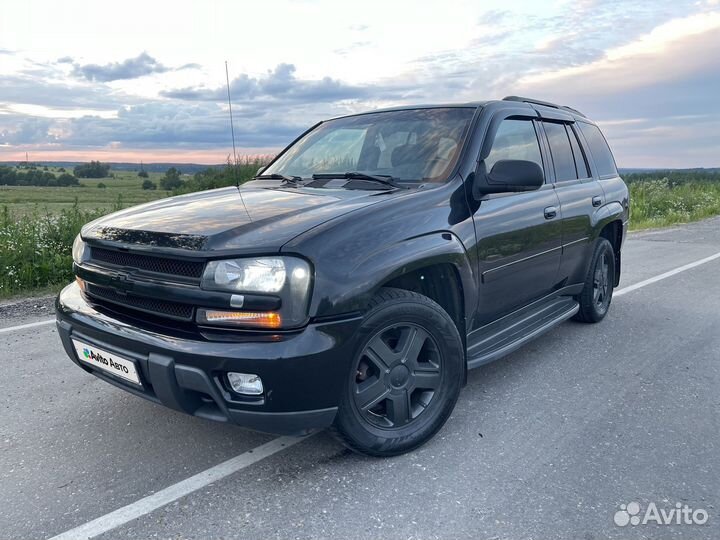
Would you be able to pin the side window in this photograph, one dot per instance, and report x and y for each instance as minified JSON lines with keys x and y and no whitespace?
{"x":561,"y":151}
{"x":515,"y":139}
{"x":599,"y":149}
{"x":580,"y":162}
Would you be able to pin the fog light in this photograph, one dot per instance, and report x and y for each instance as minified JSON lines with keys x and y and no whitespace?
{"x":245,"y":383}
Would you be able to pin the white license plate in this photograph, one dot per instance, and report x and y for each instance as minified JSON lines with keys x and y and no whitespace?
{"x":107,"y":361}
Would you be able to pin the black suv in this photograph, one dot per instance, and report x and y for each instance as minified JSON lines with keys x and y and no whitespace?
{"x":357,"y":278}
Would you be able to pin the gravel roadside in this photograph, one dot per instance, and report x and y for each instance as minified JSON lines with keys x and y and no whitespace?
{"x":28,"y":307}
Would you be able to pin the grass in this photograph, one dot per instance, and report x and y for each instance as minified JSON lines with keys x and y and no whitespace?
{"x":38,"y":224}
{"x":35,"y":248}
{"x":660,"y":203}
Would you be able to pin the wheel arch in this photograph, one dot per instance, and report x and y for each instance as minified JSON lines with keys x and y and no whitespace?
{"x":435,"y":265}
{"x":613,"y":232}
{"x":608,"y":224}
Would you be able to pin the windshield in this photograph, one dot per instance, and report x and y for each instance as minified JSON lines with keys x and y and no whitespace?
{"x":409,"y":145}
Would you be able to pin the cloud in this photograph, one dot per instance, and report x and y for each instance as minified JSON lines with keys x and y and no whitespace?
{"x":684,"y":44}
{"x":493,"y":17}
{"x":269,"y":112}
{"x":36,"y":89}
{"x":281,"y":84}
{"x":671,"y":141}
{"x":662,"y":69}
{"x":132,"y":68}
{"x":655,"y":95}
{"x":343,"y":51}
{"x":64,"y":60}
{"x":24,"y":130}
{"x":152,"y":125}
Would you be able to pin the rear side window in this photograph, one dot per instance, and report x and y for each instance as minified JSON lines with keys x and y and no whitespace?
{"x":599,"y":149}
{"x":561,"y":151}
{"x":515,"y":139}
{"x":580,"y":162}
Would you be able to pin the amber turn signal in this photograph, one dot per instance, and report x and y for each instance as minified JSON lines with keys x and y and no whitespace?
{"x":256,"y":319}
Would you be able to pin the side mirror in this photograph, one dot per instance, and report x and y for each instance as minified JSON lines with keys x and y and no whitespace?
{"x":510,"y":175}
{"x":260,"y":170}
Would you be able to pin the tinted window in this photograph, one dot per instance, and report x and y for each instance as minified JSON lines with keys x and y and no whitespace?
{"x":515,"y":139}
{"x":599,"y":149}
{"x":562,"y":155}
{"x":580,"y":163}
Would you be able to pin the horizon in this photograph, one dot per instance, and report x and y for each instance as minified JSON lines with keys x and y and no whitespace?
{"x":222,"y":164}
{"x":647,"y":72}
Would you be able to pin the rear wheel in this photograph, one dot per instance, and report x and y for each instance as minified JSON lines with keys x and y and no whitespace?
{"x":597,"y":293}
{"x":405,"y":378}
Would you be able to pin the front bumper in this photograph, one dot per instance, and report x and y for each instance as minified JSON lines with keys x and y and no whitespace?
{"x":302,"y":373}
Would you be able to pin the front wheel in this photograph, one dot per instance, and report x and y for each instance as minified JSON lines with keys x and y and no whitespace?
{"x":597,"y":293}
{"x":405,"y":377}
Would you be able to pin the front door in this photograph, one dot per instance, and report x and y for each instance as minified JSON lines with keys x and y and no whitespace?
{"x":518,"y":235}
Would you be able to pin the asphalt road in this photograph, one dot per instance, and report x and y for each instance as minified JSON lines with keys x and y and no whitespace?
{"x":547,"y":443}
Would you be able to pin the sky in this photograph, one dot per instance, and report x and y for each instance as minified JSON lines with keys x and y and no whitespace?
{"x":145,"y":81}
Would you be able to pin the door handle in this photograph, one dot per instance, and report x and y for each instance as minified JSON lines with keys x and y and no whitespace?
{"x":550,"y":212}
{"x":597,"y":200}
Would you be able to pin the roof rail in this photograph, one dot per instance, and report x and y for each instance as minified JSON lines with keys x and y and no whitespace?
{"x":545,"y":103}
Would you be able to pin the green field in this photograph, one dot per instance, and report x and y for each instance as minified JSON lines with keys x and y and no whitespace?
{"x":124,"y":190}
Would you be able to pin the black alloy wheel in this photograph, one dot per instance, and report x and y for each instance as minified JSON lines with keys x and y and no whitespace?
{"x":597,"y":291}
{"x":397,"y":375}
{"x":601,"y":282}
{"x":404,"y":378}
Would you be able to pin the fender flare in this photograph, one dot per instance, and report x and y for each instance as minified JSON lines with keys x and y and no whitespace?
{"x":441,"y":247}
{"x":612,"y":211}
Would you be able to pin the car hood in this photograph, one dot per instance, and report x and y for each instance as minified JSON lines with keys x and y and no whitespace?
{"x":254,"y":218}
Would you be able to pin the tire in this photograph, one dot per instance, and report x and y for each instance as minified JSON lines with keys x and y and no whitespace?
{"x":597,"y":292}
{"x":405,"y":378}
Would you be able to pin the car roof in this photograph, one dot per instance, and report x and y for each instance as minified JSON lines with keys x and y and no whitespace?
{"x":469,"y":105}
{"x":537,"y":105}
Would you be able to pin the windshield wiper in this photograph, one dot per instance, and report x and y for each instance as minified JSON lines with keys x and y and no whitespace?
{"x":379,"y":178}
{"x":294,"y":180}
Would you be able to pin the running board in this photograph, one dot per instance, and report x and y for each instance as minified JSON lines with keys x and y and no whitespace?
{"x":501,"y":337}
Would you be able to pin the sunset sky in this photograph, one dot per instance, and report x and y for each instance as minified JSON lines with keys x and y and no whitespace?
{"x":131,"y":81}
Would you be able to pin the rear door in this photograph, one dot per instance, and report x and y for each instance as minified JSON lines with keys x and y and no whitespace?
{"x":579,"y":194}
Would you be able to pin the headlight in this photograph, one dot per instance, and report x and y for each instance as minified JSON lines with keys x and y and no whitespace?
{"x":79,"y":250}
{"x":285,"y":278}
{"x":265,"y":275}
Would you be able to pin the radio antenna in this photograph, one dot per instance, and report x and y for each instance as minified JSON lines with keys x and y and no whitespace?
{"x":232,"y":132}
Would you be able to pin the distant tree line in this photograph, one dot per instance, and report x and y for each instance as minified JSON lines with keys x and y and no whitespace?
{"x":94,"y":169}
{"x":674,"y":178}
{"x":210,"y":178}
{"x":9,"y":176}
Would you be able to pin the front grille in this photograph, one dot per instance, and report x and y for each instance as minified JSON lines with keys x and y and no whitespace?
{"x":164,"y":308}
{"x":150,"y":263}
